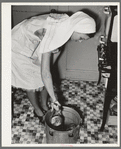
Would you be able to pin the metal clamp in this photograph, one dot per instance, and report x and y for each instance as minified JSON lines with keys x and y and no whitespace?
{"x":106,"y":10}
{"x":101,"y":39}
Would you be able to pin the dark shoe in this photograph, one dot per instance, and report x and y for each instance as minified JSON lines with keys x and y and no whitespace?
{"x":41,"y":119}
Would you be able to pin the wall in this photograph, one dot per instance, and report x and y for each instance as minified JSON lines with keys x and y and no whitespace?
{"x":82,"y":58}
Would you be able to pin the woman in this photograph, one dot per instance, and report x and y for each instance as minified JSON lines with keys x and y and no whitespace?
{"x":33,"y":42}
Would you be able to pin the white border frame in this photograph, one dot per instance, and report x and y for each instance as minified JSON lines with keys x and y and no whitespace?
{"x":6,"y":73}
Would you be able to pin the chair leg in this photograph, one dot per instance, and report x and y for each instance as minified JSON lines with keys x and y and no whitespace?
{"x":109,"y":95}
{"x":105,"y":110}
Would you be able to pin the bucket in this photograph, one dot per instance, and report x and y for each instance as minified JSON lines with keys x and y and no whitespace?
{"x":69,"y":132}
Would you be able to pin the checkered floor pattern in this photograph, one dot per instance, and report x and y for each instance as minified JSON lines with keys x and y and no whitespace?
{"x":86,"y":96}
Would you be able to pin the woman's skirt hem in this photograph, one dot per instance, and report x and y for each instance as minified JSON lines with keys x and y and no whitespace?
{"x":37,"y":89}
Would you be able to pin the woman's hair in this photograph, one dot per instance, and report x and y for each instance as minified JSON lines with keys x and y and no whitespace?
{"x":91,"y":35}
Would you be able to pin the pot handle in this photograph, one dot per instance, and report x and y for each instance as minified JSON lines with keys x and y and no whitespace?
{"x":51,"y":132}
{"x":70,"y":134}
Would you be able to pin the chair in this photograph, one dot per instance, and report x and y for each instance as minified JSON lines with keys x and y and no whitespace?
{"x":107,"y":54}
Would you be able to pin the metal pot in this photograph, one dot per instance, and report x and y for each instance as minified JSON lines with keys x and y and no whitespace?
{"x":68,"y":132}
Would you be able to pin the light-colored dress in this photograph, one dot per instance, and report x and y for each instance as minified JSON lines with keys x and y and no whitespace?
{"x":27,"y":46}
{"x":25,"y":74}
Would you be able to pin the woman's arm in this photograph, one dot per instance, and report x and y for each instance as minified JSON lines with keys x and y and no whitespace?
{"x":46,"y":75}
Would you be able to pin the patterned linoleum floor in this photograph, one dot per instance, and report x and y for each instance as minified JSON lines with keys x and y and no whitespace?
{"x":86,"y":96}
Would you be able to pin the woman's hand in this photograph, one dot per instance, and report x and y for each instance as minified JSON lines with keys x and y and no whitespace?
{"x":55,"y":106}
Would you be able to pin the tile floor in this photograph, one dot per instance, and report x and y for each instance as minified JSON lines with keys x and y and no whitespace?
{"x":86,"y":96}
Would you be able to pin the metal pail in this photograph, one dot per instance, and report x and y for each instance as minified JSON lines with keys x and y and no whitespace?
{"x":58,"y":135}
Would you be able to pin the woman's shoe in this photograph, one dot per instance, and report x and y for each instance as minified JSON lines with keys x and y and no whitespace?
{"x":41,"y":119}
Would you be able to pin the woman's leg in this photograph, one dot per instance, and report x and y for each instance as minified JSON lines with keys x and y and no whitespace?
{"x":43,"y":99}
{"x":34,"y":101}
